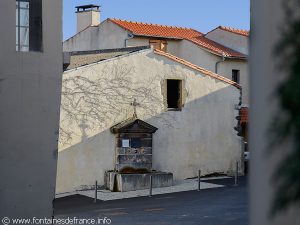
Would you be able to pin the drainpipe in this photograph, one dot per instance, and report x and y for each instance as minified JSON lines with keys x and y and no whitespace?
{"x":217,"y":63}
{"x":130,"y":36}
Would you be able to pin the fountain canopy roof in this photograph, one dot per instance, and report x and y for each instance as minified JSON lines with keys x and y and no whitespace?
{"x":133,"y":125}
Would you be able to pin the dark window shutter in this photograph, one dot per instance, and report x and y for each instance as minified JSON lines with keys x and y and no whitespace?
{"x":35,"y":25}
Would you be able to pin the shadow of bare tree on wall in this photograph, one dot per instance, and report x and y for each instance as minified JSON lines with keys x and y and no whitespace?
{"x":96,"y":99}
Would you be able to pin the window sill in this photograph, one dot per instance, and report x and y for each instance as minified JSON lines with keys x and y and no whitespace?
{"x":174,"y":109}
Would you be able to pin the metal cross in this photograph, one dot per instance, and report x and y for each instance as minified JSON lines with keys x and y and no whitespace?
{"x":135,"y":104}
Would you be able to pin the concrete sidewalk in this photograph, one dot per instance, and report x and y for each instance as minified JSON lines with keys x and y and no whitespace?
{"x":186,"y":185}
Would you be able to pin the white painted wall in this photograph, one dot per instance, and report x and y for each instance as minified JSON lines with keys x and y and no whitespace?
{"x":231,"y":40}
{"x":105,"y":36}
{"x":196,"y":55}
{"x":201,"y":136}
{"x":265,"y":77}
{"x":83,"y":40}
{"x":30,"y":90}
{"x":225,"y":69}
{"x":108,"y":35}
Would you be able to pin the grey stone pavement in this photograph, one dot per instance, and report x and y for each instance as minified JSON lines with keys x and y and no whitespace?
{"x":186,"y":185}
{"x":225,"y":204}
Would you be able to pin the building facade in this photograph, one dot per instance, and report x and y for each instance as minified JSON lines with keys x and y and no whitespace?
{"x":30,"y":90}
{"x":219,"y":51}
{"x":194,"y":110}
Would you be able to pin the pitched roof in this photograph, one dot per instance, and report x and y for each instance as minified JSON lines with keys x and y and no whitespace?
{"x":156,"y":30}
{"x":234,"y":30}
{"x":133,"y":125}
{"x":82,"y":58}
{"x":198,"y":68}
{"x":196,"y":37}
{"x":217,"y":48}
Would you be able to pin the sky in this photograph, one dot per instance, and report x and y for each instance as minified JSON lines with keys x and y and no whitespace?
{"x":202,"y":15}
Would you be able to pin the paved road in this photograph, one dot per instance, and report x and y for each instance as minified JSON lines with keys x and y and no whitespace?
{"x":219,"y":206}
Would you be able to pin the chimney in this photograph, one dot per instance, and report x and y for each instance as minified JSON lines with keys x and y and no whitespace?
{"x":87,"y":15}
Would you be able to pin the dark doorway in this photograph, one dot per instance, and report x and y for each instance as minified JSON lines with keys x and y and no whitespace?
{"x":173,"y":94}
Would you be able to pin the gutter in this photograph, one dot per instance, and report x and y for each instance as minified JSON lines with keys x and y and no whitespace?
{"x":217,"y":63}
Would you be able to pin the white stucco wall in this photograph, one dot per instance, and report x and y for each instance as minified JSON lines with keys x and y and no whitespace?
{"x":231,"y":40}
{"x":194,"y":54}
{"x":83,"y":40}
{"x":108,"y":36}
{"x":225,"y":69}
{"x":201,"y":136}
{"x":30,"y":90}
{"x":105,"y":36}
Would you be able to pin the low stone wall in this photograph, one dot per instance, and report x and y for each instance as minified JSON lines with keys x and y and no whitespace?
{"x":115,"y":181}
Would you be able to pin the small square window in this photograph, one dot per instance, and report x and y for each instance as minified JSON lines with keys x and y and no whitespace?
{"x":125,"y":143}
{"x":236,"y":76}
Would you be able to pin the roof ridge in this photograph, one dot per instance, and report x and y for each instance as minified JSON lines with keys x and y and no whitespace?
{"x":153,"y":24}
{"x":243,"y":32}
{"x":198,"y":68}
{"x":232,"y":28}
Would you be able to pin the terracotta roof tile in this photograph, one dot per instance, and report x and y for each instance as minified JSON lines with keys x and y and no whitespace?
{"x":198,"y":68}
{"x":216,"y":47}
{"x":236,"y":31}
{"x":156,"y":30}
{"x":244,"y":115}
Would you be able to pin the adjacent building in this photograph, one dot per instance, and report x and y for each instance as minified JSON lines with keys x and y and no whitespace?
{"x":194,"y":111}
{"x":223,"y":51}
{"x":30,"y":90}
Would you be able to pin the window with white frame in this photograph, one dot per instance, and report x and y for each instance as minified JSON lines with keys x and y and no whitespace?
{"x":28,"y":25}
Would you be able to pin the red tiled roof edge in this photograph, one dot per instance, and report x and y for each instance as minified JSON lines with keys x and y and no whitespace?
{"x":232,"y":30}
{"x":198,"y":68}
{"x":113,"y":21}
{"x":236,"y":31}
{"x":120,"y":23}
{"x":217,"y":48}
{"x":204,"y":43}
